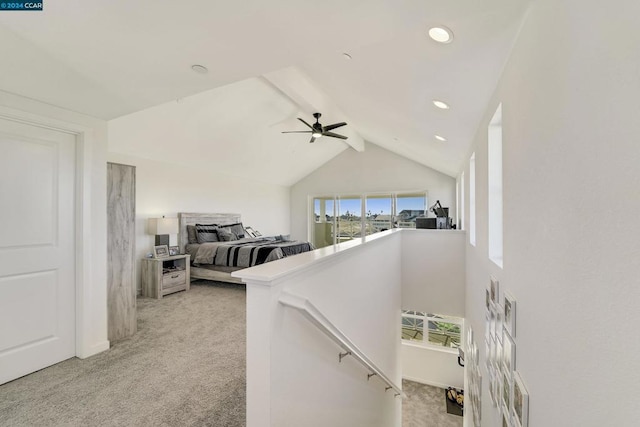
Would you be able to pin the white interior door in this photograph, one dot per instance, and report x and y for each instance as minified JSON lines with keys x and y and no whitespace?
{"x":37,"y":248}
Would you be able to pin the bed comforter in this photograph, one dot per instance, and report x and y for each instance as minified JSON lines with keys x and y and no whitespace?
{"x":247,"y":252}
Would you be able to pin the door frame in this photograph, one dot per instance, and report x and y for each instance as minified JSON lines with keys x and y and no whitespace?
{"x":90,"y":292}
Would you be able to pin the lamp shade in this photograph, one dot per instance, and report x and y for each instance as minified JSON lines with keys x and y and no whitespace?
{"x":163,"y":226}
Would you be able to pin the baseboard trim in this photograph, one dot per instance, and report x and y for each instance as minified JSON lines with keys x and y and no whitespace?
{"x":422,"y":381}
{"x":95,"y":349}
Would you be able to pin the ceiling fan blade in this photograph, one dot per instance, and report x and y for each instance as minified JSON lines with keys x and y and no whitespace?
{"x":297,"y":131}
{"x":308,"y":125}
{"x":313,"y":138}
{"x":334,"y":135}
{"x":334,"y":126}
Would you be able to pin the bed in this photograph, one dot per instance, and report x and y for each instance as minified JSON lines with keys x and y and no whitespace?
{"x":217,"y":260}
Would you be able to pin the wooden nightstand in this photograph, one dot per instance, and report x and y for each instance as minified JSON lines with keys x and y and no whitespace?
{"x":162,"y":276}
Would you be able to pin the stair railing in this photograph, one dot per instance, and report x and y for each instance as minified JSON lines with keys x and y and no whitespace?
{"x":318,"y":319}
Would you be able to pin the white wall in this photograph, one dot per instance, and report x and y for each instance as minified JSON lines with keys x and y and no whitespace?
{"x":435,"y":367}
{"x":433,"y":271}
{"x":569,"y":97}
{"x":91,"y":284}
{"x":433,"y":280}
{"x":293,"y":374}
{"x":374,"y":170}
{"x":164,"y":188}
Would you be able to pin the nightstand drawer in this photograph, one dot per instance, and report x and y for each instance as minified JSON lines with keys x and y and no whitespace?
{"x":174,"y":278}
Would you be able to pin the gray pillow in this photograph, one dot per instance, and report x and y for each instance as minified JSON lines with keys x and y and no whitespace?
{"x":237,"y":229}
{"x":192,"y":235}
{"x":226,"y":235}
{"x":207,"y":233}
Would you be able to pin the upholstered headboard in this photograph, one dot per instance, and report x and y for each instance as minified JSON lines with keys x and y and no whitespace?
{"x":185,"y":219}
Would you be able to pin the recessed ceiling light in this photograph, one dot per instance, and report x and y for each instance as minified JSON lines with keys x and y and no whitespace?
{"x":440,"y":138}
{"x":441,"y":104}
{"x":346,"y":56}
{"x":441,"y":34}
{"x":200,"y":69}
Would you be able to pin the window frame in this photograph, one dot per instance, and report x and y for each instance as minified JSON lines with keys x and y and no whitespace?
{"x":393,"y":195}
{"x":432,"y":317}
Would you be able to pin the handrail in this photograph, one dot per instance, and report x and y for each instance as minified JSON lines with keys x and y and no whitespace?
{"x":316,"y":317}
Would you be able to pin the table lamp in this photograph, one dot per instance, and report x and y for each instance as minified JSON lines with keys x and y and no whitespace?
{"x":162,"y":227}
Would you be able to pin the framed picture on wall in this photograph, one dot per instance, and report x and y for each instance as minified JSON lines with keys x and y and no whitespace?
{"x":508,"y":353}
{"x":499,"y":321}
{"x":487,"y":351}
{"x":494,"y":288}
{"x":492,"y":389}
{"x":520,"y":408}
{"x":497,"y":361}
{"x":492,"y":356}
{"x":506,"y":394}
{"x":493,"y":322}
{"x":487,"y":327}
{"x":510,"y":314}
{"x":506,"y":419}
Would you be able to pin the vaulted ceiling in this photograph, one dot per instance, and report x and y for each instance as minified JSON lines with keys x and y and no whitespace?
{"x":112,"y":58}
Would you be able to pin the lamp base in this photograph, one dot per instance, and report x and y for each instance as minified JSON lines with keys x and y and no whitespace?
{"x":162,"y":239}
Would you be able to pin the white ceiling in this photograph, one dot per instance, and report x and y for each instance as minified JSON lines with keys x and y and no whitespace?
{"x":111,"y":58}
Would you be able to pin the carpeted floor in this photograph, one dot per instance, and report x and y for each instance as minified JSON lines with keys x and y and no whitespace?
{"x":425,"y":406}
{"x":185,"y":366}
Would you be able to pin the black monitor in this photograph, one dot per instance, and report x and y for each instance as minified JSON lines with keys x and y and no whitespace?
{"x":426,"y":223}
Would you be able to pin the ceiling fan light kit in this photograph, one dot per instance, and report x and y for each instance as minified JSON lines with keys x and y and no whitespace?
{"x":317,"y":130}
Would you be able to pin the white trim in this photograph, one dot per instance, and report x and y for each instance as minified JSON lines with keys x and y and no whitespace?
{"x":421,"y":381}
{"x":423,"y":346}
{"x":95,"y":349}
{"x":472,"y":199}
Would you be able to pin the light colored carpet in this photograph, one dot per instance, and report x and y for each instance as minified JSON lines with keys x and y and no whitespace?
{"x":185,"y":366}
{"x":425,"y":406}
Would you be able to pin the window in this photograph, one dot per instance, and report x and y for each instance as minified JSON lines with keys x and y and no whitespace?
{"x":409,"y":207}
{"x":462,"y":226}
{"x":458,"y":203}
{"x":441,"y":331}
{"x":324,"y":215}
{"x":494,"y":150}
{"x":339,"y":219}
{"x":472,"y":199}
{"x":349,"y":218}
{"x":379,"y":213}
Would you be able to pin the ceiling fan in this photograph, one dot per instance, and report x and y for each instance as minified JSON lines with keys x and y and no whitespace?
{"x":317,"y":130}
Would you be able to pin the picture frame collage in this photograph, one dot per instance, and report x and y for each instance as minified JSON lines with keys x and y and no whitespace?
{"x":507,"y":390}
{"x":474,"y":385}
